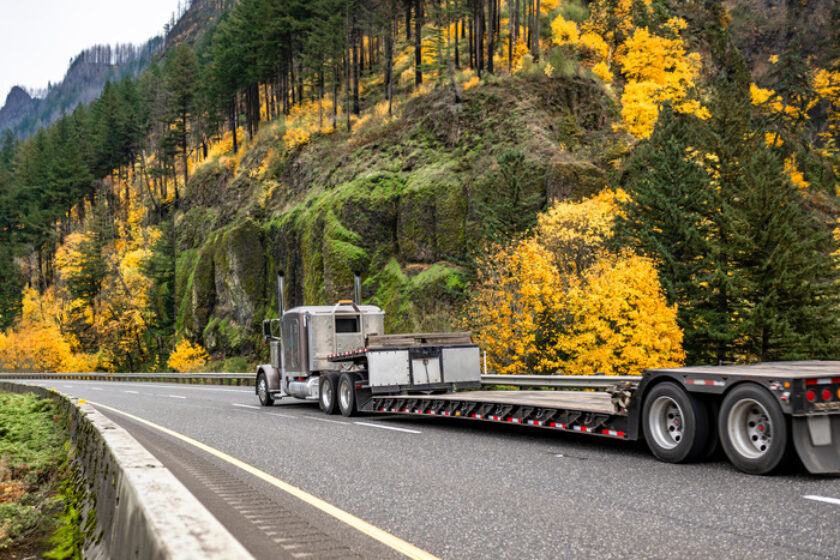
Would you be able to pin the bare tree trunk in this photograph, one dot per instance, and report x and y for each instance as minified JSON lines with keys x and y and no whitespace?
{"x":418,"y":42}
{"x":389,"y":54}
{"x":456,"y":89}
{"x":492,"y":17}
{"x":535,"y":47}
{"x":356,"y":50}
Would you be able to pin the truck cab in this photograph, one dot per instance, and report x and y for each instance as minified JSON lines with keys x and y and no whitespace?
{"x":302,"y":339}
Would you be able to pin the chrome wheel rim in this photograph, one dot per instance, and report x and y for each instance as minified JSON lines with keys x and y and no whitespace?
{"x":326,"y":394}
{"x":750,"y":428}
{"x":666,"y":422}
{"x":262,"y":389}
{"x":344,"y":394}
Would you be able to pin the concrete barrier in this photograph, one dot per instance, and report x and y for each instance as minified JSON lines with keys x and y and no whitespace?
{"x":141,"y":510}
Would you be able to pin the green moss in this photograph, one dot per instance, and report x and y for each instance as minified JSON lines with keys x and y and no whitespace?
{"x":34,"y":463}
{"x":203,"y":293}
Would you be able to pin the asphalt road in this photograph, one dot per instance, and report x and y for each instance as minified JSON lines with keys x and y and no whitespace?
{"x":461,"y":489}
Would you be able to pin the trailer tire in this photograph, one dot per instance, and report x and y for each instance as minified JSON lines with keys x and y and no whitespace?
{"x":262,"y":391}
{"x":675,"y":423}
{"x":327,"y":393}
{"x":346,"y":394}
{"x":754,"y":431}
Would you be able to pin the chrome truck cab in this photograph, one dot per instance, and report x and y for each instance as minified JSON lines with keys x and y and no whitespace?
{"x":302,"y":338}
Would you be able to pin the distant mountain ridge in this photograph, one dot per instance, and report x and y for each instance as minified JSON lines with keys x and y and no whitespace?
{"x":83,"y":82}
{"x":24,"y":114}
{"x":18,"y":105}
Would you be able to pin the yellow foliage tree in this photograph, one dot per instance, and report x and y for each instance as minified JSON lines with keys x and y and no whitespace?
{"x":564,"y":32}
{"x":187,"y":357}
{"x":513,"y":307}
{"x":561,"y":300}
{"x":621,"y":322}
{"x":658,"y":70}
{"x":37,"y":344}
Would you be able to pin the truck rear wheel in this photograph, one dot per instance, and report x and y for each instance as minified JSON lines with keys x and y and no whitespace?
{"x":326,"y":392}
{"x":347,"y":394}
{"x":753,"y":429}
{"x":262,"y":391}
{"x":675,"y":423}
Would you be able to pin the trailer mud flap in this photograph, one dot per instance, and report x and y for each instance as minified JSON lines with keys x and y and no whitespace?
{"x":817,"y":441}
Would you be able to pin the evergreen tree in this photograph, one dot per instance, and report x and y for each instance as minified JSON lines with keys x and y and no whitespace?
{"x":667,"y":217}
{"x":181,"y":78}
{"x":515,"y":197}
{"x":160,"y":267}
{"x":788,"y":297}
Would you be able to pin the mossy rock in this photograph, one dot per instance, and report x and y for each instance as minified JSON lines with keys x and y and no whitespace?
{"x":203,"y":292}
{"x":195,"y":226}
{"x":573,"y":180}
{"x":226,"y":337}
{"x":239,"y":266}
{"x":184,"y":269}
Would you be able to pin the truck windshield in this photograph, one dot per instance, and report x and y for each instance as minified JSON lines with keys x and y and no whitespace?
{"x":347,"y":324}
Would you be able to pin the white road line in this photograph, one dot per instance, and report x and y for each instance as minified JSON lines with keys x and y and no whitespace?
{"x":66,"y":385}
{"x":834,"y":501}
{"x":97,"y":388}
{"x":245,"y":405}
{"x":132,"y":392}
{"x":406,"y":430}
{"x":280,"y":415}
{"x":173,"y":396}
{"x":328,"y":420}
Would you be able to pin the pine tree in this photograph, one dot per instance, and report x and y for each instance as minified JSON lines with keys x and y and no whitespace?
{"x":515,"y":197}
{"x":667,"y":217}
{"x":181,"y":77}
{"x":788,"y":298}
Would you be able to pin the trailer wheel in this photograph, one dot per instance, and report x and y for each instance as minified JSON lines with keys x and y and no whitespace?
{"x":326,"y":392}
{"x":347,"y":394}
{"x":753,"y":430}
{"x":675,"y":423}
{"x":262,"y":391}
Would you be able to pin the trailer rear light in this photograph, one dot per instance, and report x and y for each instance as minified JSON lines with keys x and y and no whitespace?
{"x":810,"y":396}
{"x":826,"y":395}
{"x":822,"y":381}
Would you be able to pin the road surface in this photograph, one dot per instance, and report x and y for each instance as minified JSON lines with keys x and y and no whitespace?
{"x":459,"y":489}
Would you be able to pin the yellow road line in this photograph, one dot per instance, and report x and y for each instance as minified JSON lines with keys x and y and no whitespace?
{"x":401,"y":546}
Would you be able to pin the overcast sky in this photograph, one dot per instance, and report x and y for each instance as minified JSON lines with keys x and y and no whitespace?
{"x":39,"y":37}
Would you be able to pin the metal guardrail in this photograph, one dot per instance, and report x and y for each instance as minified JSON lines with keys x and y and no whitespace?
{"x":578,"y":381}
{"x":196,"y":378}
{"x":247,"y":379}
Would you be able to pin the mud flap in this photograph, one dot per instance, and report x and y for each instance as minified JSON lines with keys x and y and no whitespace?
{"x":817,"y":442}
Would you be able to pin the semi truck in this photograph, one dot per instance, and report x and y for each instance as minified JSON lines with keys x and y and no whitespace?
{"x":762,"y":415}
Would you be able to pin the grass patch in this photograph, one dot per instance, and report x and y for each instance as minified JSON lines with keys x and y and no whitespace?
{"x":33,"y":473}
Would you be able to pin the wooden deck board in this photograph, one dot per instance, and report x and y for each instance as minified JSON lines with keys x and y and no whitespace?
{"x":570,"y":400}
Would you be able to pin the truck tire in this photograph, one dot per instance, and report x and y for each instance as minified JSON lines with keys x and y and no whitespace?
{"x":675,"y":423}
{"x":347,"y":394}
{"x":262,"y":391}
{"x":754,"y":431}
{"x":327,"y":392}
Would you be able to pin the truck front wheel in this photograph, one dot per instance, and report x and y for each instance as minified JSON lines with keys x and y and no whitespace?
{"x":753,"y":429}
{"x":262,"y":391}
{"x":326,"y":392}
{"x":675,"y":423}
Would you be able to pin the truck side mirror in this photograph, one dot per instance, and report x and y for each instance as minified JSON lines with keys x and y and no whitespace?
{"x":266,"y":325}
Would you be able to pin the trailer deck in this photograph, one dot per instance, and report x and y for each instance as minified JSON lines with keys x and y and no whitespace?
{"x":581,"y":401}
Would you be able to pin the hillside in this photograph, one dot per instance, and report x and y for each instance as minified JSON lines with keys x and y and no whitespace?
{"x":601,"y":187}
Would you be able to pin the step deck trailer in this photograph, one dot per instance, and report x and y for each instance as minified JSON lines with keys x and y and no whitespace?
{"x":759,"y":413}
